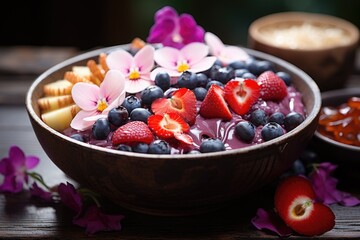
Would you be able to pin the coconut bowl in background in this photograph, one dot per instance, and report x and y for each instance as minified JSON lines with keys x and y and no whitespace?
{"x":174,"y":184}
{"x":329,"y":63}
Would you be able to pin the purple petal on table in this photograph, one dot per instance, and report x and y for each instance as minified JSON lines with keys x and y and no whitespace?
{"x":70,"y":197}
{"x":36,"y":191}
{"x":270,"y":221}
{"x":94,"y":221}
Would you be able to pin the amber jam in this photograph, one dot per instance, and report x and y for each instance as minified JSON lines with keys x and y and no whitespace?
{"x":342,"y":123}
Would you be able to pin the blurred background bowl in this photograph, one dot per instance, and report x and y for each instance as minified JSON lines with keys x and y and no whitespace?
{"x":174,"y":184}
{"x":295,"y":37}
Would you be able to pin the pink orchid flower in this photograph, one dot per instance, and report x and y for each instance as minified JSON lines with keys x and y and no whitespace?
{"x":192,"y":57}
{"x":14,"y":168}
{"x":95,"y":102}
{"x":135,"y":69}
{"x":70,"y":197}
{"x":173,"y":30}
{"x":226,"y":54}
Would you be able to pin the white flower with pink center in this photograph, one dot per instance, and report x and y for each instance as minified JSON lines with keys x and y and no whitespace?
{"x":136,"y":69}
{"x":192,"y":57}
{"x":226,"y":54}
{"x":95,"y":102}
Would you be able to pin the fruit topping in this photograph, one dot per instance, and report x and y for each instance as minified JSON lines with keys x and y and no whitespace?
{"x":272,"y":87}
{"x":271,"y":130}
{"x":187,"y":80}
{"x":140,"y":114}
{"x":292,"y":120}
{"x":245,"y":131}
{"x":295,"y":203}
{"x":118,"y":116}
{"x":222,"y":74}
{"x":182,"y":102}
{"x":149,"y":94}
{"x":162,"y":79}
{"x":101,"y":129}
{"x":258,"y":117}
{"x":159,"y":147}
{"x":214,"y":104}
{"x":132,"y":133}
{"x":241,"y":95}
{"x":131,"y":102}
{"x":211,"y":145}
{"x":277,"y":117}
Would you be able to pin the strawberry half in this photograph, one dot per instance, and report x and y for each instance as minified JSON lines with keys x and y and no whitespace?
{"x":241,"y":95}
{"x":214,"y":104}
{"x":132,"y":133}
{"x":170,"y":125}
{"x":182,"y":102}
{"x":272,"y":87}
{"x":294,"y":202}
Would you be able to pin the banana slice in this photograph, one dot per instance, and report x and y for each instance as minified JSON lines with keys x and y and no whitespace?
{"x":51,"y":103}
{"x":60,"y":119}
{"x":58,"y":88}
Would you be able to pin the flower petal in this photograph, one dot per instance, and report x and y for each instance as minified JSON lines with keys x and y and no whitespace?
{"x":203,"y":65}
{"x":231,"y":53}
{"x":144,"y":59}
{"x":31,"y":162}
{"x":167,"y":57}
{"x":6,"y":167}
{"x":120,"y":60}
{"x":161,"y":30}
{"x":85,"y":95}
{"x":11,"y":184}
{"x":78,"y":121}
{"x":16,"y":156}
{"x":135,"y":86}
{"x":194,"y":52}
{"x":214,"y":43}
{"x":189,"y":30}
{"x":113,"y":86}
{"x":70,"y":197}
{"x":165,"y":12}
{"x":36,"y":191}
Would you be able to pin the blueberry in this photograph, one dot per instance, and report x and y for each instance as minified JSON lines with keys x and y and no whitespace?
{"x":248,"y":75}
{"x":271,"y":130}
{"x":140,"y":148}
{"x":131,"y":102}
{"x":200,"y":93}
{"x":251,"y":65}
{"x":101,"y":129}
{"x":292,"y":120}
{"x":245,"y":131}
{"x":187,"y":80}
{"x":277,"y":117}
{"x":211,"y":145}
{"x":118,"y":116}
{"x":162,"y":79}
{"x":263,"y":66}
{"x":258,"y":117}
{"x":222,"y":74}
{"x":159,"y":147}
{"x":298,"y":167}
{"x":124,"y":147}
{"x":237,"y":65}
{"x":220,"y":84}
{"x":149,"y":94}
{"x":218,"y":63}
{"x":140,"y":114}
{"x":78,"y":137}
{"x":201,"y":80}
{"x":285,"y":77}
{"x":240,"y":72}
{"x":194,"y":152}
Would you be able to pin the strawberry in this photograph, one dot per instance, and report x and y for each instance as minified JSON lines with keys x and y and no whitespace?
{"x":214,"y":105}
{"x":182,"y":102}
{"x":170,"y":125}
{"x":241,"y":95}
{"x":132,"y":133}
{"x":272,"y":87}
{"x":294,"y":202}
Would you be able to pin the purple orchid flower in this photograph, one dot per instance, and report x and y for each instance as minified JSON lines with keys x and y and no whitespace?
{"x":325,"y":186}
{"x":94,"y":220}
{"x":37,"y":191}
{"x":173,"y":30}
{"x":70,"y":197}
{"x":14,"y":168}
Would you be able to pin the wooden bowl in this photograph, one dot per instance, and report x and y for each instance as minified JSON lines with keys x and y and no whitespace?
{"x":174,"y":184}
{"x":329,"y":65}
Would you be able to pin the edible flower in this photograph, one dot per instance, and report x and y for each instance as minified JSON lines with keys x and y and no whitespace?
{"x":226,"y":54}
{"x":192,"y":58}
{"x":136,"y":70}
{"x":173,"y":30}
{"x":70,"y":197}
{"x":14,"y":168}
{"x":95,"y":102}
{"x":37,"y":191}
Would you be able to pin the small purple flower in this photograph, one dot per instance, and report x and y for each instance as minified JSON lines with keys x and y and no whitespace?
{"x":325,"y":186}
{"x":270,"y":221}
{"x":36,"y":191}
{"x":94,"y":220}
{"x":173,"y":30}
{"x":70,"y":197}
{"x":14,"y":169}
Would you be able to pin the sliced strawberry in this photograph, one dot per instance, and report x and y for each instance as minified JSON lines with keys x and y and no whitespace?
{"x":241,"y":94}
{"x":294,"y":202}
{"x":214,"y":105}
{"x":132,"y":133}
{"x":167,"y":125}
{"x":182,"y":102}
{"x":272,"y":87}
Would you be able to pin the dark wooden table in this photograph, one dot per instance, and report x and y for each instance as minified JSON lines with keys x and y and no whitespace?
{"x":24,"y":217}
